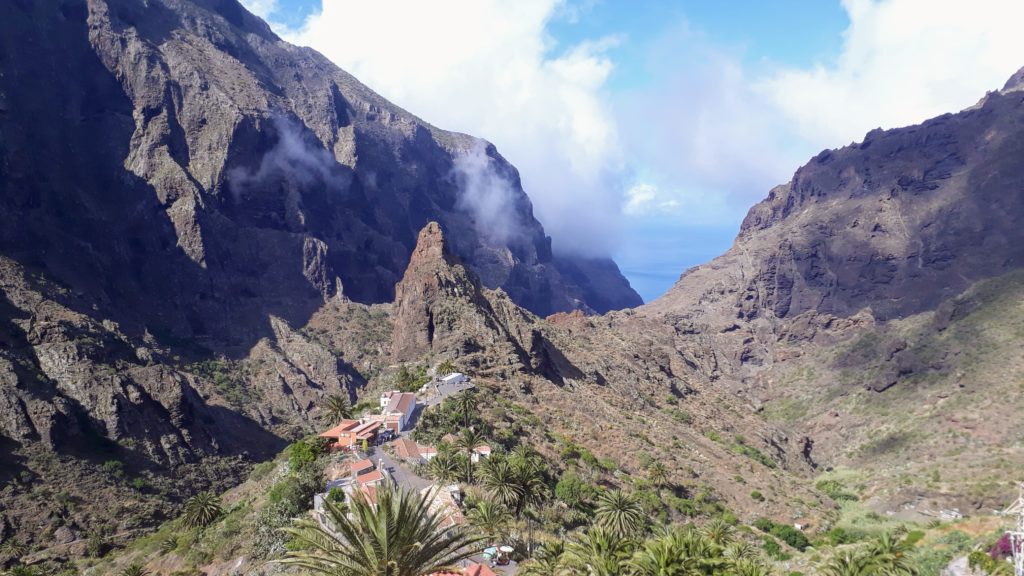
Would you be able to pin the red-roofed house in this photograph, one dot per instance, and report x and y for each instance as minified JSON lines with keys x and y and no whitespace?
{"x":361,"y":467}
{"x":342,"y":434}
{"x":371,"y":478}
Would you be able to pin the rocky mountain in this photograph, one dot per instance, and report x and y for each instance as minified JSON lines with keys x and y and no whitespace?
{"x":238,"y":177}
{"x":869,"y":305}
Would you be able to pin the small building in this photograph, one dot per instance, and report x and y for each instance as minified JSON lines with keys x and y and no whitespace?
{"x":399,"y":411}
{"x":371,"y":478}
{"x":481,"y":451}
{"x":408,"y":450}
{"x":361,"y":466}
{"x":342,"y":435}
{"x":454,"y":379}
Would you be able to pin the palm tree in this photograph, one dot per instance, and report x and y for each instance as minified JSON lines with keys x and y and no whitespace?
{"x":619,"y":513}
{"x":749,"y":567}
{"x":134,"y":569}
{"x":502,"y":483}
{"x":337,"y":408}
{"x":490,"y":518}
{"x":541,"y":567}
{"x":719,"y":531}
{"x":849,"y":564}
{"x":597,"y":552}
{"x":444,"y":467}
{"x":399,"y":536}
{"x":466,"y":403}
{"x":202,"y":510}
{"x":469,"y":440}
{"x":658,"y":474}
{"x":445,"y":368}
{"x":889,"y":555}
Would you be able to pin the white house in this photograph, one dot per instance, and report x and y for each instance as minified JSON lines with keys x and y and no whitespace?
{"x":398,"y":411}
{"x":454,"y":378}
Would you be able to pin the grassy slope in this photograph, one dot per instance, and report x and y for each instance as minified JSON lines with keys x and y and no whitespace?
{"x":945,"y":434}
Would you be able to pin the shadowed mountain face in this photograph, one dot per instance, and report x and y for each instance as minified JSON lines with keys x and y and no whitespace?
{"x":189,"y":173}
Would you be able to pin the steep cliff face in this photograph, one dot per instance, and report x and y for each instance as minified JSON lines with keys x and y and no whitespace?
{"x":194,"y":175}
{"x":895,"y":224}
{"x":870,"y":303}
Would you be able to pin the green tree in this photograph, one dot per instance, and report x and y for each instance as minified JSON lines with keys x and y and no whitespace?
{"x":849,"y":564}
{"x":490,"y":519}
{"x":444,"y":467}
{"x":570,"y":488}
{"x":202,"y":510}
{"x":597,"y":552}
{"x":658,"y":474}
{"x":399,"y":536}
{"x":466,"y":403}
{"x":619,"y":513}
{"x":502,"y":482}
{"x":468,"y":441}
{"x":445,"y":368}
{"x":337,"y":408}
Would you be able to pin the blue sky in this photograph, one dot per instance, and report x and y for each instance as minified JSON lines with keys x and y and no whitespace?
{"x":645,"y":130}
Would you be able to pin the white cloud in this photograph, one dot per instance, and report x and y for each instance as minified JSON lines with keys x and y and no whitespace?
{"x":902,"y":61}
{"x":488,"y":68}
{"x":262,"y":8}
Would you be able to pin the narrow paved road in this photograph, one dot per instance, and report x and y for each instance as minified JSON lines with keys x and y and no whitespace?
{"x":402,"y":475}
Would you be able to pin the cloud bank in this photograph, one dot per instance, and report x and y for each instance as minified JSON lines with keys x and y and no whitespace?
{"x":708,"y":132}
{"x":488,"y":68}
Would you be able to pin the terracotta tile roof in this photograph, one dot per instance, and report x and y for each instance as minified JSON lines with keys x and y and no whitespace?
{"x":406,"y":448}
{"x":427,"y":450}
{"x":366,"y":427}
{"x":345,"y":426}
{"x":372,"y":476}
{"x":361,"y":465}
{"x":482,"y":449}
{"x":402,"y":403}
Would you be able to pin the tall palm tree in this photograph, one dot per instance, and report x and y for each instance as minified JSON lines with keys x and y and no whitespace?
{"x":466,"y":402}
{"x":399,"y":536}
{"x":490,"y":519}
{"x":337,"y":408}
{"x":619,"y":513}
{"x":597,"y":552}
{"x":202,"y":510}
{"x":502,"y":482}
{"x":445,"y":368}
{"x":658,"y":474}
{"x":469,"y":440}
{"x":541,"y":567}
{"x":444,"y":467}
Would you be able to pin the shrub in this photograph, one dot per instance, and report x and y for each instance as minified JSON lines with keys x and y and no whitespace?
{"x":773,"y":549}
{"x":756,"y":495}
{"x":784,"y":532}
{"x":114,"y":468}
{"x":571,"y":489}
{"x":836,"y":491}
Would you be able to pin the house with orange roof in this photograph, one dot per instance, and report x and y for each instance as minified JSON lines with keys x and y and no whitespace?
{"x":371,"y":478}
{"x":361,"y":466}
{"x":342,"y":435}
